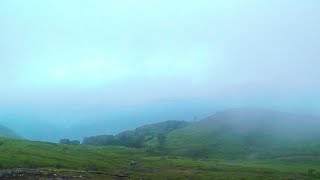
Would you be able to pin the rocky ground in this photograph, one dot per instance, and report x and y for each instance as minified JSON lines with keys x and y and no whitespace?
{"x":51,"y":174}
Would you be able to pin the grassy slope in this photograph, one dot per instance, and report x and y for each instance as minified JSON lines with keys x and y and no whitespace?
{"x":247,"y":135}
{"x":114,"y":160}
{"x":22,"y":153}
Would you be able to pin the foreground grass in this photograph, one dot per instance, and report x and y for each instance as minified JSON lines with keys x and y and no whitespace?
{"x":114,"y":161}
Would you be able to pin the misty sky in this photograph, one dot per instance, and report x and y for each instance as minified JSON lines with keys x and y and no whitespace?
{"x":125,"y":52}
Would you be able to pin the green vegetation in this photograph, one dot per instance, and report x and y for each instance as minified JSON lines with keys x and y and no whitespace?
{"x":247,"y":134}
{"x":114,"y":161}
{"x":139,"y":137}
{"x":70,"y":142}
{"x":234,"y":144}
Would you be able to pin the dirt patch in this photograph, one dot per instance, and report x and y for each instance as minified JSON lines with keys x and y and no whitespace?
{"x":48,"y":174}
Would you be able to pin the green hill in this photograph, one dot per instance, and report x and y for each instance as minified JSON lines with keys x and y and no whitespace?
{"x":139,"y":137}
{"x":248,"y":134}
{"x":5,"y":132}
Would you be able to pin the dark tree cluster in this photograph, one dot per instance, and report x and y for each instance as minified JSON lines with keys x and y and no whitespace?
{"x":127,"y":139}
{"x":103,"y":140}
{"x":69,"y":142}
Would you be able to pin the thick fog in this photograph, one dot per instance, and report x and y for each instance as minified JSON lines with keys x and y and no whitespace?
{"x":80,"y":68}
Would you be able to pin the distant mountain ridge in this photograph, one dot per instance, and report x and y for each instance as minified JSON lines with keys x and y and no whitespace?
{"x":6,"y":132}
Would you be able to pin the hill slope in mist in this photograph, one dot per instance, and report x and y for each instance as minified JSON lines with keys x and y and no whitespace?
{"x":248,"y":133}
{"x":138,"y":137}
{"x":5,"y":132}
